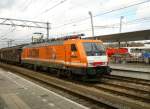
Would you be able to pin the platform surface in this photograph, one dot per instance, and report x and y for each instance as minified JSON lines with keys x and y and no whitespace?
{"x":143,"y":70}
{"x":19,"y":93}
{"x":132,"y":66}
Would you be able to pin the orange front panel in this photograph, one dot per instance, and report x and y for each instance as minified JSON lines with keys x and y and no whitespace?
{"x":75,"y":58}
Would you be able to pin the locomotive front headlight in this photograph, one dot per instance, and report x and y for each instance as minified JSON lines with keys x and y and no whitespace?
{"x":98,"y":64}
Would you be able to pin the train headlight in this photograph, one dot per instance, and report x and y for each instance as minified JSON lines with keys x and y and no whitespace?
{"x":95,"y":64}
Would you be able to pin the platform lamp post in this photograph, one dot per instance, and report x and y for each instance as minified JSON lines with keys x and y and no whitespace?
{"x":91,"y":17}
{"x":120,"y":28}
{"x":121,"y":18}
{"x":47,"y":29}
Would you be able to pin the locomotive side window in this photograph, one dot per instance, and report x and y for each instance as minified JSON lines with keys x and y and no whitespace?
{"x":73,"y":47}
{"x":34,"y":53}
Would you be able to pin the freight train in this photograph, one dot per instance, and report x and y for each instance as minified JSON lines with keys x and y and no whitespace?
{"x":69,"y":56}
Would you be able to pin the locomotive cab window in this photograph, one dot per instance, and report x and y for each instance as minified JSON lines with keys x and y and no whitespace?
{"x":73,"y":47}
{"x":94,"y":49}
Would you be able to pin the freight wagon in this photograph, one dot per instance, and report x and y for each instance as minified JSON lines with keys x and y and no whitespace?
{"x":11,"y":54}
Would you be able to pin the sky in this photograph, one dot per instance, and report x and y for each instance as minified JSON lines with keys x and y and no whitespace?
{"x":72,"y":17}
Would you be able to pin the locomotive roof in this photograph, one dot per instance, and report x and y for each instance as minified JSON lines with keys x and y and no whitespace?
{"x":56,"y":42}
{"x":14,"y":47}
{"x":59,"y":42}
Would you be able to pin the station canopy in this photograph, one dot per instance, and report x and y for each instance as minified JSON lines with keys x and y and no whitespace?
{"x":123,"y":37}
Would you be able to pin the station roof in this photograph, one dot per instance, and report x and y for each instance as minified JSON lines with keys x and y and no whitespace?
{"x":122,"y":37}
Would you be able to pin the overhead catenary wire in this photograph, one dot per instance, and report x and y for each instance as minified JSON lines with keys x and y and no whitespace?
{"x":49,"y":9}
{"x":116,"y":25}
{"x":22,"y":23}
{"x":88,"y":18}
{"x":121,"y":8}
{"x":54,"y":6}
{"x":72,"y":20}
{"x":101,"y":14}
{"x":16,"y":41}
{"x":2,"y":36}
{"x":27,"y":5}
{"x":138,"y":20}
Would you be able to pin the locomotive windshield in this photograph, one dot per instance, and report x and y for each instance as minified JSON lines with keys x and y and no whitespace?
{"x":94,"y":49}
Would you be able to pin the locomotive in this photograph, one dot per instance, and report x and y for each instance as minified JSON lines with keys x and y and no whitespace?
{"x":69,"y":56}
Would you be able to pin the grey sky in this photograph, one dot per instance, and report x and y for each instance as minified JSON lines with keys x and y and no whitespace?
{"x":62,"y":16}
{"x":6,"y":4}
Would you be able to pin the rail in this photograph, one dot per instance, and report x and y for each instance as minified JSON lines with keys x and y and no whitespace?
{"x":113,"y":97}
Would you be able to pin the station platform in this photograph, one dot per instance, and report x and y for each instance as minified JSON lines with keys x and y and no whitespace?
{"x":140,"y":71}
{"x":145,"y":68}
{"x":19,"y":93}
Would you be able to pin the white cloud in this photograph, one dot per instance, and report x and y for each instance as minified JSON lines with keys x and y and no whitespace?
{"x":143,"y":10}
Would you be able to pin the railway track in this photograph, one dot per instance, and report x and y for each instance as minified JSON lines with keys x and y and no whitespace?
{"x":128,"y":79}
{"x":125,"y":92}
{"x":131,"y":70}
{"x":130,"y":73}
{"x":111,"y":93}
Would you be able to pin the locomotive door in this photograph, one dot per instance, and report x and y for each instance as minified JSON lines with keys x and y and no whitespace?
{"x":67,"y":55}
{"x":74,"y":55}
{"x":71,"y":55}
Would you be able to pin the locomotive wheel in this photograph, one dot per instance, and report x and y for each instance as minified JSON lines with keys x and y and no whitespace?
{"x":69,"y":75}
{"x":35,"y":67}
{"x":58,"y":74}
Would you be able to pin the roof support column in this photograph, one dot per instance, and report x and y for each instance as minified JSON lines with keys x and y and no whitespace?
{"x":119,"y":44}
